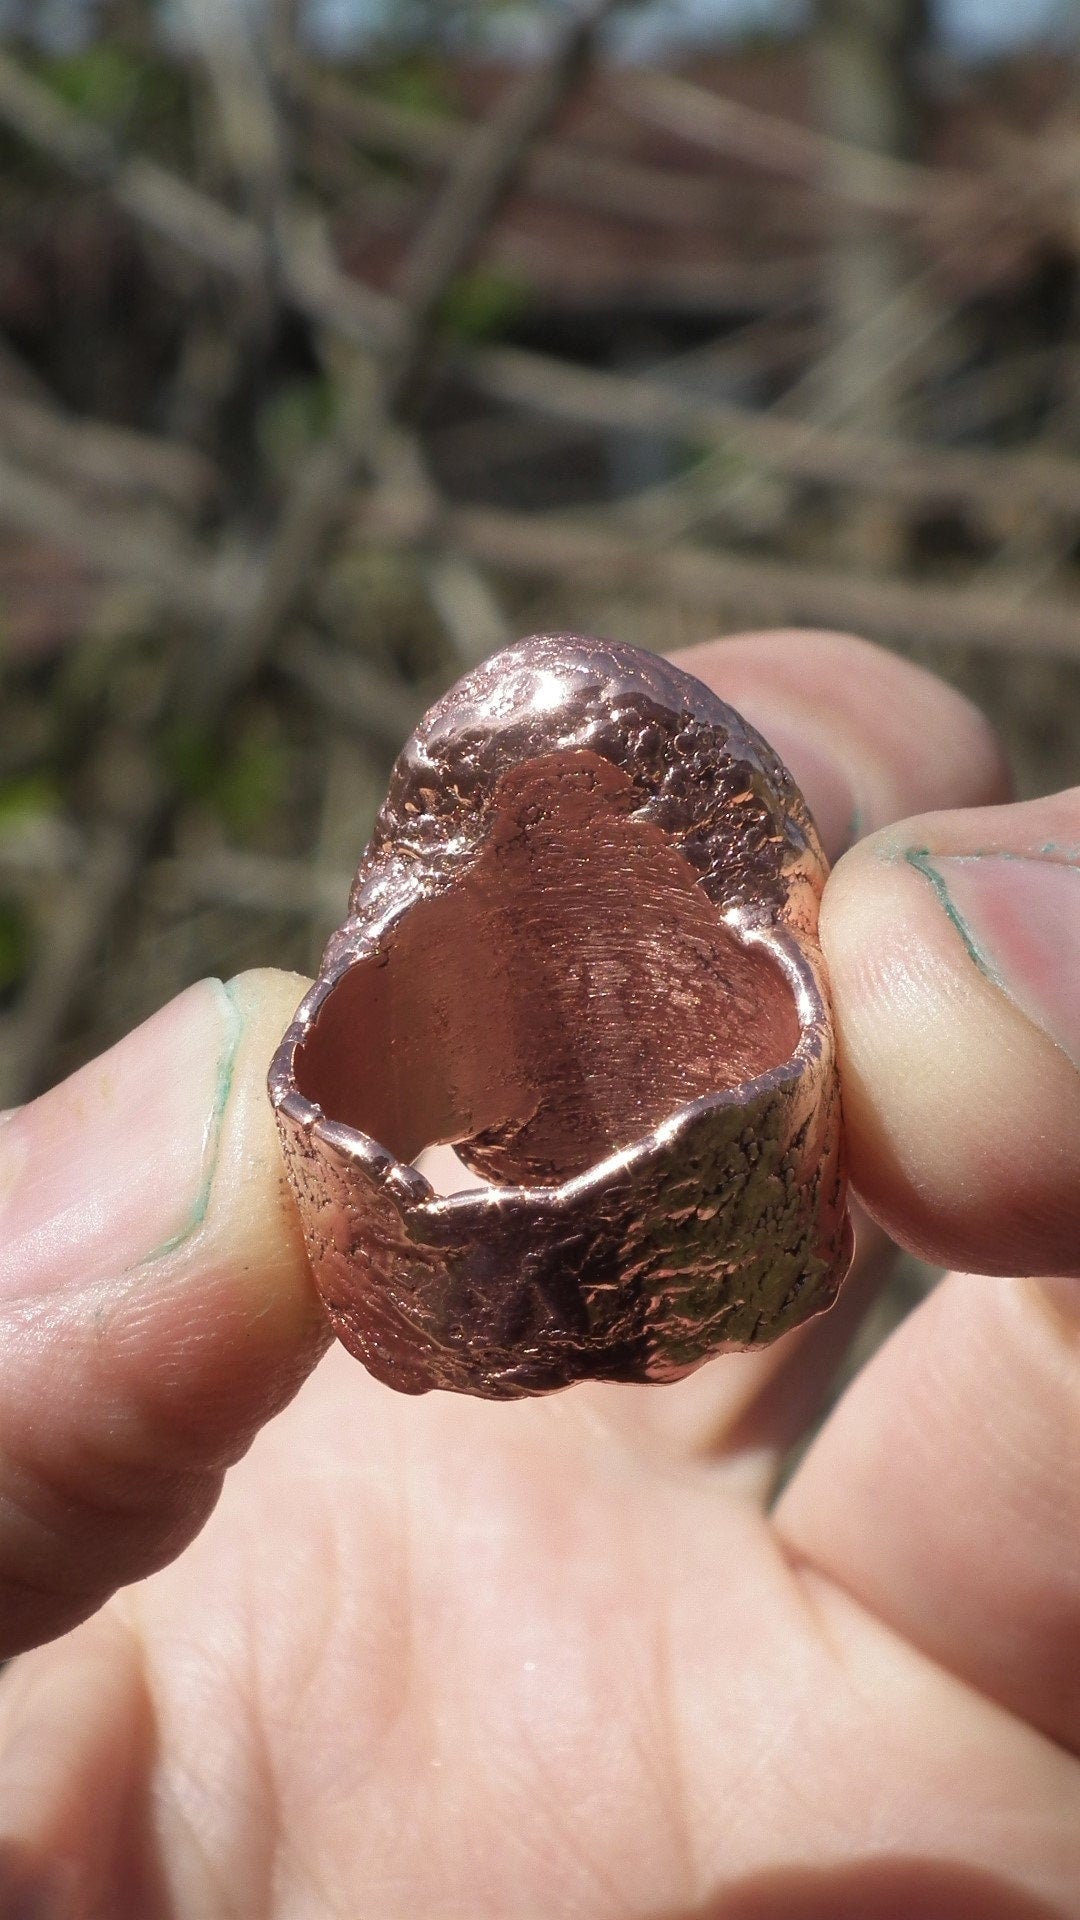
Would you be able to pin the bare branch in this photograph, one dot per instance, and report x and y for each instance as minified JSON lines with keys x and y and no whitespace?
{"x":576,"y":174}
{"x":353,"y":787}
{"x":40,"y":118}
{"x":81,"y":911}
{"x":466,"y":605}
{"x":39,"y":846}
{"x":129,"y":546}
{"x":874,"y":181}
{"x":732,"y":587}
{"x":252,"y":882}
{"x":95,"y":455}
{"x":485,"y":172}
{"x":800,"y":449}
{"x":246,"y":112}
{"x":467,"y":202}
{"x":351,"y":691}
{"x":168,"y":207}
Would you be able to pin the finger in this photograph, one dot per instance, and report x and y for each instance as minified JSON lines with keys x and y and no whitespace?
{"x":154,"y":1298}
{"x":952,"y":943}
{"x":942,"y":1492}
{"x":868,"y":737}
{"x":77,"y":1741}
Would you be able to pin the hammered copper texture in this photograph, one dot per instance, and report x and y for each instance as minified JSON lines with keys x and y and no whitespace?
{"x":582,"y":946}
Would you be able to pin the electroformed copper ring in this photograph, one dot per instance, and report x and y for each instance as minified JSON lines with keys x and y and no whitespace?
{"x":582,"y":948}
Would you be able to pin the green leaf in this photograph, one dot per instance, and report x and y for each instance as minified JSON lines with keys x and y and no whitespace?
{"x":102,"y":81}
{"x":294,"y":418}
{"x":252,"y":781}
{"x":415,"y":82}
{"x":189,"y":757}
{"x":242,"y":782}
{"x":483,"y":303}
{"x":27,"y":798}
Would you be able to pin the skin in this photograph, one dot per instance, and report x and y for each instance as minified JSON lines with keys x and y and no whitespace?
{"x":568,"y":1657}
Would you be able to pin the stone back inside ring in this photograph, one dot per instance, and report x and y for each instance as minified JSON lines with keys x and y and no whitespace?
{"x":581,"y":948}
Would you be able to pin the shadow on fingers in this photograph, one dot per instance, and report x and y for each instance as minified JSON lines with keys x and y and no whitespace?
{"x":898,"y":1889}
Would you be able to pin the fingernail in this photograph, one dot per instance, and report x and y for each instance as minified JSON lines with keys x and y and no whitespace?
{"x":115,"y":1166}
{"x":1019,"y":917}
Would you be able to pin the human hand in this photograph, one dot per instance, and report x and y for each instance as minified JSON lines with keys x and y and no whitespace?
{"x":557,"y":1658}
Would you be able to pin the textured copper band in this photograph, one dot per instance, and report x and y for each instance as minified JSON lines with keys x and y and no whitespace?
{"x":582,"y":946}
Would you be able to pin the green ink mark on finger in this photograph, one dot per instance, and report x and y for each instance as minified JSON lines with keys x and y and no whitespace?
{"x":232,"y":1022}
{"x":919,"y":858}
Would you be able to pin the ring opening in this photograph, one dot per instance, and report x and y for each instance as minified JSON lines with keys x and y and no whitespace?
{"x":571,"y":990}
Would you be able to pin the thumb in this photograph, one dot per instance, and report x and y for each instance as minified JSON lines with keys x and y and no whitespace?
{"x":953,"y":943}
{"x":155,"y":1304}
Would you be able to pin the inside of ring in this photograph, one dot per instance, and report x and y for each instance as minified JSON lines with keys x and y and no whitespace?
{"x":563,"y":997}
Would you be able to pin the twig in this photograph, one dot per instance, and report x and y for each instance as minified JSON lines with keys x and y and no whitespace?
{"x":96,"y":455}
{"x":466,"y":605}
{"x":484,"y":173}
{"x":167,"y":206}
{"x":889,"y":338}
{"x":130,"y":546}
{"x":309,"y":279}
{"x":351,"y":691}
{"x":467,"y":202}
{"x":802,"y":450}
{"x":463,"y":600}
{"x":352,"y":793}
{"x":252,"y":882}
{"x":701,"y":284}
{"x":731,"y":587}
{"x":246,"y":112}
{"x":81,"y":910}
{"x":561,"y":169}
{"x":874,"y":181}
{"x":524,"y":543}
{"x":669,"y":196}
{"x":482,"y":177}
{"x":37,"y":847}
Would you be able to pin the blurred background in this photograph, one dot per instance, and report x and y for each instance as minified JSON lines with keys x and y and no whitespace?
{"x":342,"y":341}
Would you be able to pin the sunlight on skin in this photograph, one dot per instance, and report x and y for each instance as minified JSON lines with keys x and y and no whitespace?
{"x":445,"y":1658}
{"x":481,"y":1660}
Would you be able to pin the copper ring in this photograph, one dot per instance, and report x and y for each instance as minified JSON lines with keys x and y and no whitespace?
{"x":582,"y":947}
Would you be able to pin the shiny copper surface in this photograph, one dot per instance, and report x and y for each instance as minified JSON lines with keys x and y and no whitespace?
{"x":582,"y":947}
